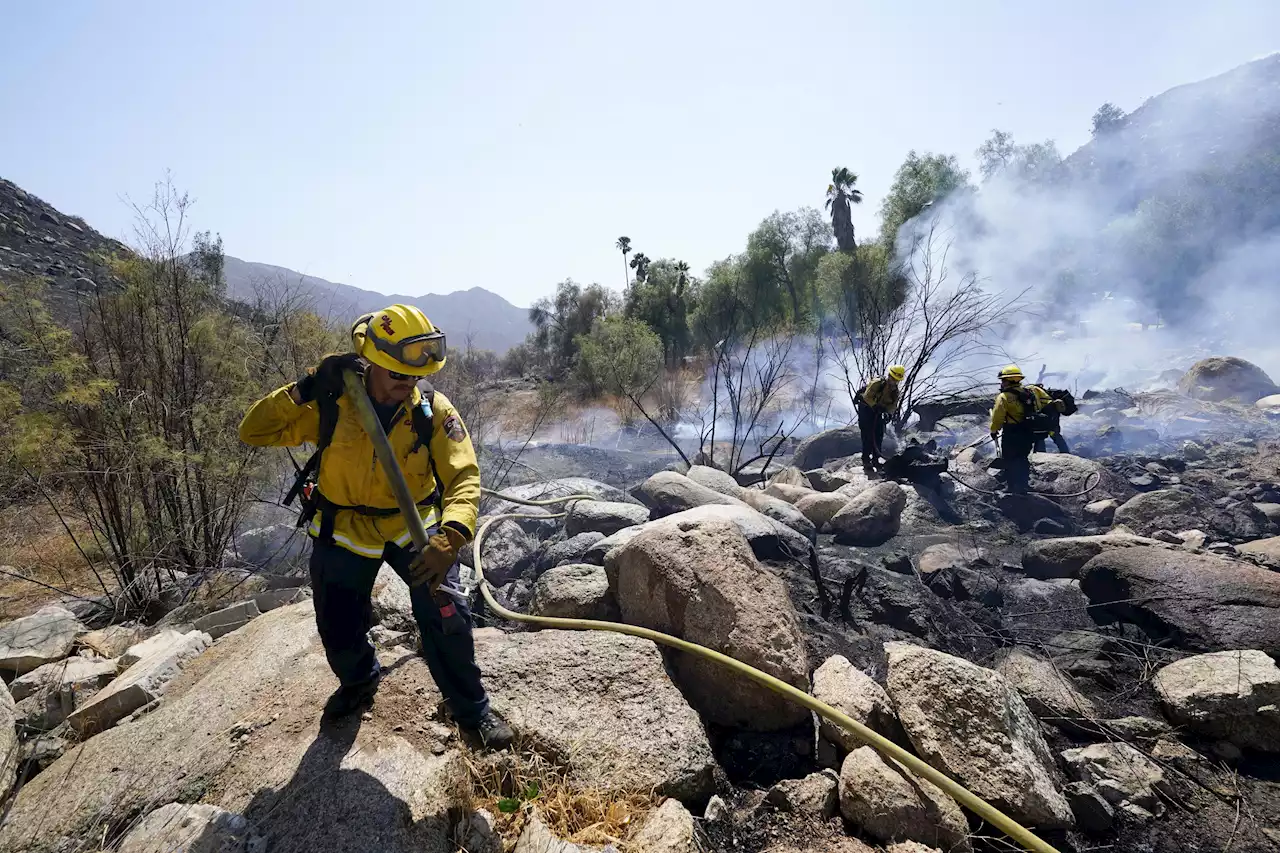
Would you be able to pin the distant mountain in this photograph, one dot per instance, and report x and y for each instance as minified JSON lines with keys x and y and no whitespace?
{"x":488,"y":320}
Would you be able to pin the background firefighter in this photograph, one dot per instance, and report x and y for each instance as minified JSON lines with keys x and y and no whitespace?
{"x":1015,"y":420}
{"x":353,"y":518}
{"x":877,"y":404}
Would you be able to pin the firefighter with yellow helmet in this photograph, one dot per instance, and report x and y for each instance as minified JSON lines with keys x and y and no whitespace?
{"x":1015,"y":420}
{"x":353,"y":517}
{"x":877,"y":404}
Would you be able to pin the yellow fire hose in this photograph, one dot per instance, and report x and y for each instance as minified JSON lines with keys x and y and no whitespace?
{"x":887,"y":748}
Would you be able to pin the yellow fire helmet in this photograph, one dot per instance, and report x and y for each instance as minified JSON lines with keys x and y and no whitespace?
{"x":897,"y":373}
{"x":1012,"y":373}
{"x":401,"y":339}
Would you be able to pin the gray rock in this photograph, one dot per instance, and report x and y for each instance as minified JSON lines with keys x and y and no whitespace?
{"x":1266,"y":550}
{"x":509,"y":549}
{"x":701,"y":582}
{"x":780,"y":511}
{"x":1027,"y":510}
{"x":275,"y":549}
{"x":1233,"y":696}
{"x":821,"y":508}
{"x":1093,"y":812}
{"x":392,"y":606}
{"x":1033,"y":608}
{"x":1193,"y":452}
{"x":667,"y":829}
{"x":1049,"y":693}
{"x":1064,"y":558}
{"x":816,"y":795}
{"x":715,"y":480}
{"x":192,"y":829}
{"x":848,"y":689}
{"x":786,"y":492}
{"x":114,"y":640}
{"x":599,"y":550}
{"x":604,"y":702}
{"x":1222,"y":378}
{"x":8,"y":743}
{"x":603,"y":517}
{"x":141,"y":683}
{"x":558,"y":488}
{"x":574,"y":592}
{"x":477,"y":832}
{"x":889,"y":804}
{"x":48,"y":694}
{"x":667,"y":492}
{"x":789,"y":476}
{"x":1121,"y":774}
{"x":227,"y":619}
{"x":273,"y":598}
{"x":45,"y":636}
{"x":537,"y":837}
{"x":833,"y":444}
{"x":826,"y":481}
{"x":769,"y":539}
{"x":946,"y":556}
{"x":1101,"y":512}
{"x":1138,"y":728}
{"x":998,"y":752}
{"x":571,"y":550}
{"x":245,"y":722}
{"x":871,"y":518}
{"x":1205,"y":602}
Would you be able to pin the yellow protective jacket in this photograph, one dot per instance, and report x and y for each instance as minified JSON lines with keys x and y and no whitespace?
{"x":882,"y":394}
{"x":1008,"y":409}
{"x":350,"y":474}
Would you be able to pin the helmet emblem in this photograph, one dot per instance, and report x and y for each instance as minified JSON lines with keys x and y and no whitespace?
{"x":385,"y":322}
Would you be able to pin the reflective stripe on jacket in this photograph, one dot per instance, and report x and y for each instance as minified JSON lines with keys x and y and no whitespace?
{"x":350,"y":474}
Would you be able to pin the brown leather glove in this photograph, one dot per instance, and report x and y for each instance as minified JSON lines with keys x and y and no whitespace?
{"x":431,"y":566}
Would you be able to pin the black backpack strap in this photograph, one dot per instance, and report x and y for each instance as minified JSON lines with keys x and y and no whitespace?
{"x":423,"y":420}
{"x":328,"y":408}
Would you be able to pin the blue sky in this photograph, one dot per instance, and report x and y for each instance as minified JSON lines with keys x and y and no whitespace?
{"x":419,"y":147}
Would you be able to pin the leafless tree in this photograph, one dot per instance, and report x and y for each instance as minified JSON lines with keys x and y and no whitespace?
{"x":917,"y":314}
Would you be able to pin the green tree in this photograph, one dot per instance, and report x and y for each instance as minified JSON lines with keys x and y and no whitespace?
{"x":1031,"y":163}
{"x":661,"y":301}
{"x":781,"y":262}
{"x":559,"y":320}
{"x":921,"y":180}
{"x":640,"y":263}
{"x":1107,"y":119}
{"x":624,"y":245}
{"x":841,"y":195}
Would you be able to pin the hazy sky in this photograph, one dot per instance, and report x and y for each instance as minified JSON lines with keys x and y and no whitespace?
{"x":415,"y":147}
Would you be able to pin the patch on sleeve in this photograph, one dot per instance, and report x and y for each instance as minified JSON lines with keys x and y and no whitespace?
{"x":454,"y":429}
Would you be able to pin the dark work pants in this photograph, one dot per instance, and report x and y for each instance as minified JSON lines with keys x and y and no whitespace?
{"x":1057,"y":439}
{"x":871,"y":431}
{"x":1016,"y":443}
{"x":342,"y":584}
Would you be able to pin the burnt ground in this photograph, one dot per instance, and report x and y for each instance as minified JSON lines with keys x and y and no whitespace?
{"x":1218,"y":800}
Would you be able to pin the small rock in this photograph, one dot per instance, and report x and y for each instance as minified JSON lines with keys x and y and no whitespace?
{"x":114,"y":640}
{"x":603,"y":517}
{"x":847,"y":689}
{"x":822,"y":507}
{"x":195,"y":828}
{"x":571,"y":550}
{"x":477,"y":832}
{"x":1120,"y":773}
{"x":1138,"y":728}
{"x":898,"y":562}
{"x":1049,"y":693}
{"x":667,"y":829}
{"x":392,"y":605}
{"x":1143,"y":481}
{"x":1193,"y":452}
{"x":826,"y":481}
{"x":715,"y":479}
{"x":716,"y":809}
{"x":574,"y":592}
{"x":1167,"y":537}
{"x":227,"y":619}
{"x":889,"y":804}
{"x":45,"y":636}
{"x":871,"y":518}
{"x":815,"y":795}
{"x":1093,"y":812}
{"x":1191,"y":539}
{"x":384,"y":638}
{"x":537,"y":837}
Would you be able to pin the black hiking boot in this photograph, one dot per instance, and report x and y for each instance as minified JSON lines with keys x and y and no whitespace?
{"x":350,"y":698}
{"x":493,"y":731}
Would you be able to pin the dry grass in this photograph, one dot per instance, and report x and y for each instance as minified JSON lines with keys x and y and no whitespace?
{"x":510,"y":786}
{"x":34,"y":544}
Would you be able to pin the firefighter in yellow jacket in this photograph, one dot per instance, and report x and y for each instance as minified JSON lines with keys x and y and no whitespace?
{"x":356,"y":524}
{"x":877,"y":404}
{"x":1013,"y":425}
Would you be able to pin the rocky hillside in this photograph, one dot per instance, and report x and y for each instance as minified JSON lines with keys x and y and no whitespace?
{"x":492,"y":322}
{"x":37,"y":240}
{"x":1098,"y":660}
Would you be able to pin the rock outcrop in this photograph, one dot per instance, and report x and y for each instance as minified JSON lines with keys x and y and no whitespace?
{"x":1064,"y":558}
{"x":970,"y":723}
{"x":701,"y":582}
{"x":1223,"y":378}
{"x":194,"y":828}
{"x":1204,"y":602}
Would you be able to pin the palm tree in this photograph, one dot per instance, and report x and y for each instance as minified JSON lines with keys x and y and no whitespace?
{"x":624,"y":245}
{"x":841,"y":193}
{"x":640,"y":263}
